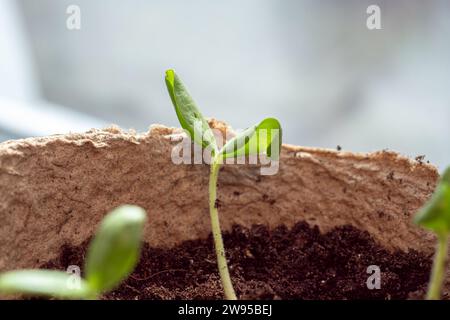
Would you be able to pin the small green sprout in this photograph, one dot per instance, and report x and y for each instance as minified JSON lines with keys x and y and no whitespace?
{"x":264,"y":137}
{"x":112,"y":256}
{"x":435,"y":216}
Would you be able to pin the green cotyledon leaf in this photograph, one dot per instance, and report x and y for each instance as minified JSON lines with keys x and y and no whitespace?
{"x":435,"y":214}
{"x":49,"y":283}
{"x":265,"y":137}
{"x":115,"y":250}
{"x":188,"y":114}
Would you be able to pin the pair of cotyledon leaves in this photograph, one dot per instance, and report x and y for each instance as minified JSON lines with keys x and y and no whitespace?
{"x":264,"y":137}
{"x":111,"y":257}
{"x":435,"y":215}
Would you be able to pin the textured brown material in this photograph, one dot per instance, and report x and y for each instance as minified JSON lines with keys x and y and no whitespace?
{"x":55,"y":190}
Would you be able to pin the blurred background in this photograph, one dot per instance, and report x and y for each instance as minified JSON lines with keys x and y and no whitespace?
{"x":313,"y":64}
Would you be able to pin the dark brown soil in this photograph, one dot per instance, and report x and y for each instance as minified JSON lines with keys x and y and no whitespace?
{"x":300,"y":263}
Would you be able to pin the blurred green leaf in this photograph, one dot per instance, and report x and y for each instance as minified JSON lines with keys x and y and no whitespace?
{"x":263,"y":137}
{"x":188,"y":114}
{"x":43,"y":283}
{"x":114,"y":252}
{"x":435,"y":214}
{"x":445,"y":178}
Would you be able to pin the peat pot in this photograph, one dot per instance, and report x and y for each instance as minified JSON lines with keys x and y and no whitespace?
{"x":55,"y":190}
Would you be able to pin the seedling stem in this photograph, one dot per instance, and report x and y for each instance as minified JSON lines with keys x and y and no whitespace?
{"x":438,"y":272}
{"x":435,"y":216}
{"x":216,"y":231}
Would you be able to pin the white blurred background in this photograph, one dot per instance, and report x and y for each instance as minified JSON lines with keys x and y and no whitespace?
{"x":313,"y":64}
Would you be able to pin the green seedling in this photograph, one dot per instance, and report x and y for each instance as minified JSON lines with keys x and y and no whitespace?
{"x":435,"y":216}
{"x":264,"y":137}
{"x":111,"y":257}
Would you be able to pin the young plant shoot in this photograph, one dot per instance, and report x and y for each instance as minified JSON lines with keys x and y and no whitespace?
{"x":111,"y":257}
{"x":264,"y":137}
{"x":435,"y":216}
